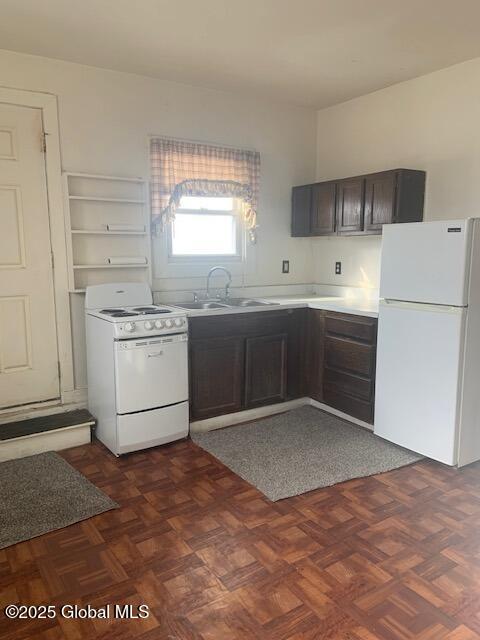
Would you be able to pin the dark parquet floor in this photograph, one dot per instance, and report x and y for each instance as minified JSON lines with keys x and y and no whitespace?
{"x":390,"y":557}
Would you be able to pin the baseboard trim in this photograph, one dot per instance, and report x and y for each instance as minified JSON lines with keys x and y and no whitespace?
{"x":71,"y":400}
{"x":230,"y":419}
{"x":56,"y":440}
{"x":340,"y":414}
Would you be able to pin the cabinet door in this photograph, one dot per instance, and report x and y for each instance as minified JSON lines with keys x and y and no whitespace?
{"x":216,"y":376}
{"x":350,"y":202}
{"x":301,"y":207}
{"x":265,"y":370}
{"x":323,"y":209}
{"x":315,"y":353}
{"x":296,"y":353}
{"x":410,"y":195}
{"x":380,"y":194}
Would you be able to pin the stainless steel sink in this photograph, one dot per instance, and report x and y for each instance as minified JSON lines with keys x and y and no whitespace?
{"x":231,"y":303}
{"x":202,"y":305}
{"x":248,"y":302}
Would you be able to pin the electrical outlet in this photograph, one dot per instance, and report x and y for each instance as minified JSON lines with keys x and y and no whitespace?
{"x":338,"y":268}
{"x":285,"y":266}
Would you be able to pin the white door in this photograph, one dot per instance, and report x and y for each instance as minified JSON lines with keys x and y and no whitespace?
{"x":151,"y":373}
{"x":426,"y":262}
{"x":419,"y":356}
{"x":28,"y":340}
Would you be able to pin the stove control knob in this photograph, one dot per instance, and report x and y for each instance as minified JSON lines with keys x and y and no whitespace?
{"x":158,"y":324}
{"x":129,"y":327}
{"x":178,"y":322}
{"x":168,"y":323}
{"x":148,"y":325}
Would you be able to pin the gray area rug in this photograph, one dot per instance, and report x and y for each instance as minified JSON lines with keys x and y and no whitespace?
{"x":42,"y":493}
{"x":304,"y":449}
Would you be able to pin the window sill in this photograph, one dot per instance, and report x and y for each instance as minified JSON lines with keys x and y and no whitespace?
{"x":202,"y":260}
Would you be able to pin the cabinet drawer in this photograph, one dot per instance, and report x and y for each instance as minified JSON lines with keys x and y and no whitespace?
{"x":240,"y":324}
{"x":351,"y":326}
{"x":349,"y":384}
{"x":347,"y":355}
{"x":348,"y":404}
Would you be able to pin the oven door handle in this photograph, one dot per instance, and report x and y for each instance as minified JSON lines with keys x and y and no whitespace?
{"x":155,"y":355}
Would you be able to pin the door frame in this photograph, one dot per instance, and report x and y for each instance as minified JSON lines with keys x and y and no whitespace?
{"x":47,"y":103}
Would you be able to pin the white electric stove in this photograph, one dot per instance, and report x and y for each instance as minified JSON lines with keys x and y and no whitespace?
{"x":137,"y":365}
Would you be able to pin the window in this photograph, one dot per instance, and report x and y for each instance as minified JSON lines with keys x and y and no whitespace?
{"x":206,"y":227}
{"x":197,"y":169}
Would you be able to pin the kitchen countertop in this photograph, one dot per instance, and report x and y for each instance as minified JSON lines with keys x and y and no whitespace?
{"x":332,"y":303}
{"x":360,"y":307}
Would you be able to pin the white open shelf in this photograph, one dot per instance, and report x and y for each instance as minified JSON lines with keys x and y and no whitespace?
{"x":92,"y":202}
{"x":111,"y":266}
{"x":100,"y":199}
{"x":105,"y":232}
{"x":98,"y":176}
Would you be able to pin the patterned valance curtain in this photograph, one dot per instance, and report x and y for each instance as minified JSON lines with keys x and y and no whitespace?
{"x":183,"y":168}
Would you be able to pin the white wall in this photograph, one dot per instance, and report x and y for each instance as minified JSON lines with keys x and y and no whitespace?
{"x":106,"y":117}
{"x":360,"y":258}
{"x":430,"y":123}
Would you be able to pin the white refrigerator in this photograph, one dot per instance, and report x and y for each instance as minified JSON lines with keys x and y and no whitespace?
{"x":427,"y":395}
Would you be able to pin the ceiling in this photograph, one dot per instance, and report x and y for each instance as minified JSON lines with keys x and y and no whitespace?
{"x":313,"y":53}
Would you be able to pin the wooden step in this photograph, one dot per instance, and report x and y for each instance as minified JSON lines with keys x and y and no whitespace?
{"x":45,"y":433}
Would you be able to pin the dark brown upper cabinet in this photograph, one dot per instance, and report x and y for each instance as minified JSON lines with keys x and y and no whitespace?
{"x":350,"y":202}
{"x":301,"y":210}
{"x":322,"y":218}
{"x":380,"y":192}
{"x":360,"y":205}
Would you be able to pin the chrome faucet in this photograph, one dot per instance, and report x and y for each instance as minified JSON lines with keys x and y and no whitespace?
{"x":227,"y":286}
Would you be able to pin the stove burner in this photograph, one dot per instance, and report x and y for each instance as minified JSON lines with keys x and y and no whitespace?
{"x":151,"y":310}
{"x":110,"y":312}
{"x":123,"y":314}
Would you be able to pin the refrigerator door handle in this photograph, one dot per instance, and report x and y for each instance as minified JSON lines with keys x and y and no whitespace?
{"x":421,"y":306}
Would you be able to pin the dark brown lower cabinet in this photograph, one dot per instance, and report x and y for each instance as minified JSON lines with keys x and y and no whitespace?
{"x":348,"y":403}
{"x":341,"y":361}
{"x":315,"y":353}
{"x":245,"y":360}
{"x":349,"y":355}
{"x":265,"y":370}
{"x":349,"y":384}
{"x":216,"y":376}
